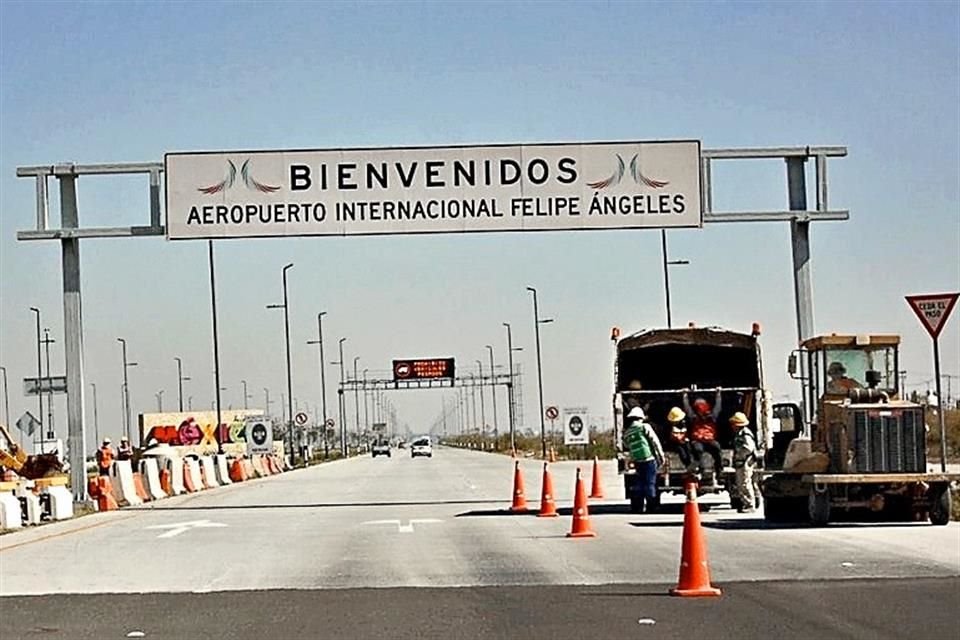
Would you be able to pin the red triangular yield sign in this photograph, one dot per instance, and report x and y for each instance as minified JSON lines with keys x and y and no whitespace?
{"x":933,"y":309}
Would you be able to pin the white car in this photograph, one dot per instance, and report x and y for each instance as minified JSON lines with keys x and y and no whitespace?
{"x":421,"y":447}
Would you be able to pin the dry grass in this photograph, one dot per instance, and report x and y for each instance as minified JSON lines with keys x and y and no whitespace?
{"x":952,"y":422}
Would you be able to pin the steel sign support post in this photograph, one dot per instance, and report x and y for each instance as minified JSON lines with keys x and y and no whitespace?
{"x":800,"y":243}
{"x":323,"y":381}
{"x":940,"y":405}
{"x":216,"y":343}
{"x":536,"y":327}
{"x":47,"y":341}
{"x":73,"y":334}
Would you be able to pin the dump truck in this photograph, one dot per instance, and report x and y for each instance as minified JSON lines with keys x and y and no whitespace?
{"x":655,"y":368}
{"x":863,"y":448}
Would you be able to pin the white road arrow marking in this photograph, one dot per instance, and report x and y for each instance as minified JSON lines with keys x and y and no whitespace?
{"x":183,"y":527}
{"x":405,"y":528}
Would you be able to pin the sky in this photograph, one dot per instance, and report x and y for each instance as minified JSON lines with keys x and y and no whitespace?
{"x":106,"y":82}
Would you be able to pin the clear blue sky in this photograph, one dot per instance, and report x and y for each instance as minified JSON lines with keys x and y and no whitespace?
{"x":107,"y":82}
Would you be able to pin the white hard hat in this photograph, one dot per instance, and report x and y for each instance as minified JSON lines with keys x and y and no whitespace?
{"x":637,"y":412}
{"x":106,"y":441}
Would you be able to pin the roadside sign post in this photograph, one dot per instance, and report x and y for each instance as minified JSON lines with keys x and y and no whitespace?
{"x":552,"y":413}
{"x":933,"y":311}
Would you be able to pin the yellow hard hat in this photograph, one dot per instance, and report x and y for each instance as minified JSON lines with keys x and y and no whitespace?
{"x":739,"y":419}
{"x":676,"y":415}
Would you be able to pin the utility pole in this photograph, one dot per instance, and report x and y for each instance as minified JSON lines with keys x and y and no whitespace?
{"x":536,"y":325}
{"x":493,"y":394}
{"x":47,"y":341}
{"x":246,"y":396}
{"x":342,"y":405}
{"x":266,"y":401}
{"x":667,"y":263}
{"x":483,"y":414}
{"x":510,"y":405}
{"x":216,"y":343}
{"x":126,"y":388}
{"x":159,"y":395}
{"x":96,"y":418}
{"x":356,"y":393}
{"x":180,"y":380}
{"x":286,"y":332}
{"x":323,"y":381}
{"x":39,"y":449}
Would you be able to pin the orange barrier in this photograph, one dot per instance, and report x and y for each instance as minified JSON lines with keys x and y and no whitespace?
{"x":548,"y":506}
{"x":139,"y":488}
{"x":519,"y":500}
{"x":165,"y":483}
{"x":188,"y":479}
{"x":236,"y":472}
{"x":248,"y":469}
{"x":596,"y":491}
{"x":694,"y":565}
{"x":104,"y":495}
{"x":275,"y":465}
{"x":581,"y":514}
{"x":553,"y":455}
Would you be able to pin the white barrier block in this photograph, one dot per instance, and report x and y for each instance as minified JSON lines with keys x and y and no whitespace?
{"x":175,"y":467}
{"x":223,"y":471}
{"x":209,"y":472}
{"x":123,"y":483}
{"x":61,"y":502}
{"x":193,"y":467}
{"x":151,"y":474}
{"x":10,"y":516}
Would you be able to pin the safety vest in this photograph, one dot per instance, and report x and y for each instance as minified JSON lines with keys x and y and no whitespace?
{"x":640,"y":449}
{"x":704,"y":429}
{"x":106,"y":457}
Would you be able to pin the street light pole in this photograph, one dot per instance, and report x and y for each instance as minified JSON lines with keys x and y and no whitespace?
{"x":47,"y":341}
{"x":536,"y":327}
{"x":286,"y":332}
{"x":510,"y":408}
{"x":666,"y":273}
{"x":96,"y":418}
{"x":159,"y":395}
{"x":39,"y":381}
{"x":366,"y":414}
{"x":493,"y":394}
{"x":483,"y":414}
{"x":216,"y":344}
{"x":342,"y":406}
{"x":180,"y":380}
{"x":126,"y":388}
{"x":266,"y":400}
{"x":6,"y":398}
{"x":246,"y":396}
{"x":356,"y":393}
{"x":323,"y":381}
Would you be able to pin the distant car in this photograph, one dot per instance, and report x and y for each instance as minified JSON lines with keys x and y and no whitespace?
{"x":381,"y":449}
{"x":421,"y":447}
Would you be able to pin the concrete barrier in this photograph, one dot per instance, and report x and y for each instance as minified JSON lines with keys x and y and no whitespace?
{"x":123,"y":484}
{"x":61,"y":502}
{"x":175,"y":467}
{"x":248,"y":471}
{"x":151,"y":473}
{"x":10,"y":516}
{"x":258,"y":467}
{"x":237,"y":473}
{"x":192,"y":467}
{"x":223,"y":471}
{"x":30,"y":503}
{"x":209,"y":472}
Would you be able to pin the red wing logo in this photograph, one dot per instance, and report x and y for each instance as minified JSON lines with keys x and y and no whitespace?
{"x":245,"y":174}
{"x":635,"y":173}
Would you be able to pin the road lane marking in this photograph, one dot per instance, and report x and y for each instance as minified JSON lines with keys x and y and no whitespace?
{"x":183,"y":527}
{"x":60,"y":534}
{"x":405,"y":528}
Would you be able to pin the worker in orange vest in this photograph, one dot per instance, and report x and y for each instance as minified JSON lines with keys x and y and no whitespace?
{"x":105,"y":457}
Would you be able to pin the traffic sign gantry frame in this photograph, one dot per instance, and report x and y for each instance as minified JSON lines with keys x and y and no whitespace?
{"x":70,"y":233}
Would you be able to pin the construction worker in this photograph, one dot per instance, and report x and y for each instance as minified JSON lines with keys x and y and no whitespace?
{"x":678,"y":436}
{"x":838,"y":382}
{"x":105,"y":457}
{"x":124,"y":451}
{"x":744,"y":460}
{"x":703,"y":429}
{"x":647,"y":455}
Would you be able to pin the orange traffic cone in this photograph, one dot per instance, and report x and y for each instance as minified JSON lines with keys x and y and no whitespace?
{"x":694,"y":565}
{"x":581,"y":515}
{"x":548,"y":506}
{"x":596,"y":491}
{"x":519,"y":500}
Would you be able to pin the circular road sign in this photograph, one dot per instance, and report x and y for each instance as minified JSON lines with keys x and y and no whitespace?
{"x":576,"y":425}
{"x":403,"y":370}
{"x":552,"y":413}
{"x":301,"y":418}
{"x":330,"y":422}
{"x":259,"y":434}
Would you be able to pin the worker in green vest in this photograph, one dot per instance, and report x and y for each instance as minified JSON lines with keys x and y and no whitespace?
{"x":646,"y":454}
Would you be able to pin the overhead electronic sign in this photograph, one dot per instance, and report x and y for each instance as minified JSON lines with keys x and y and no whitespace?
{"x":423,"y":369}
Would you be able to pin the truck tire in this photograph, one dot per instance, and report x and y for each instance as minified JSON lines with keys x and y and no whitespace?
{"x":941,"y":508}
{"x":818,"y":507}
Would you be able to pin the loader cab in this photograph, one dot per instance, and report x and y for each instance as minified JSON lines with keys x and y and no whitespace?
{"x":843,"y":368}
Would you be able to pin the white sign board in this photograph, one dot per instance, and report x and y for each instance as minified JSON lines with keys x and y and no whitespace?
{"x":576,"y":428}
{"x":532,"y":187}
{"x":259,"y":436}
{"x":933,"y":310}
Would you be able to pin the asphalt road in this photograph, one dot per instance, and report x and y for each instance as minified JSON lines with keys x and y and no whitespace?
{"x":336,"y":547}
